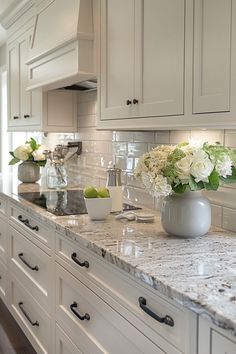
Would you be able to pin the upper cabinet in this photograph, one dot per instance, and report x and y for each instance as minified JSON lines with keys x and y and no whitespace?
{"x":212,"y":55}
{"x":142,"y":58}
{"x":167,"y":64}
{"x":24,"y":108}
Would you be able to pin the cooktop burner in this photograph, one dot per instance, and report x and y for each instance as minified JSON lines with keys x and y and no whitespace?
{"x":66,"y":202}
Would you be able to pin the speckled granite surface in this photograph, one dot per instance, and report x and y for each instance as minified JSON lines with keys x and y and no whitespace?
{"x":199,"y":274}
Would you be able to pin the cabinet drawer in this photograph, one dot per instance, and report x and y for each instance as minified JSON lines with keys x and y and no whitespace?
{"x":3,"y":205}
{"x":127,"y":292}
{"x":33,"y":320}
{"x":64,"y":345}
{"x":3,"y":239}
{"x":3,"y":282}
{"x":32,"y":226}
{"x":220,"y":344}
{"x":32,"y":266}
{"x":93,"y":325}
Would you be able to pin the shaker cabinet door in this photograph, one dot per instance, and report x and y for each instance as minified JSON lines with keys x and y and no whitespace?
{"x":212,"y":55}
{"x":159,"y":57}
{"x":117,"y":58}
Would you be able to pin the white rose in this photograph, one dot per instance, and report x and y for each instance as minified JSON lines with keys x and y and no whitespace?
{"x":224,"y":166}
{"x":22,"y":152}
{"x":38,"y":155}
{"x":201,"y":167}
{"x":183,"y":168}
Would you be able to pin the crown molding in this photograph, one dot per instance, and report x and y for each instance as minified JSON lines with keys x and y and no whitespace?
{"x":15,"y":11}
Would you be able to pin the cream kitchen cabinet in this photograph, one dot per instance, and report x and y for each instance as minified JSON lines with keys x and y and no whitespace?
{"x":142,"y":58}
{"x":212,"y":55}
{"x":24,"y":108}
{"x":213,"y":340}
{"x":52,"y":111}
{"x":167,"y":64}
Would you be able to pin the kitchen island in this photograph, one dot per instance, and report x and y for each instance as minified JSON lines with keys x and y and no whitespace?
{"x":198,"y":274}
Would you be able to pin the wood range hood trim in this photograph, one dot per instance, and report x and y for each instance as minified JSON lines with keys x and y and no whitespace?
{"x":61,"y":46}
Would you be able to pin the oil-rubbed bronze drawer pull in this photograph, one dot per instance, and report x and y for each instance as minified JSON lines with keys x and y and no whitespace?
{"x":76,"y":260}
{"x":167,"y":319}
{"x":15,"y":117}
{"x":82,"y":318}
{"x":20,"y":304}
{"x":26,"y":116}
{"x":21,"y":256}
{"x":27,"y":223}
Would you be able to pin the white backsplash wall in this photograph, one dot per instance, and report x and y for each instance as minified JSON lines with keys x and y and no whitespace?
{"x":101,"y":148}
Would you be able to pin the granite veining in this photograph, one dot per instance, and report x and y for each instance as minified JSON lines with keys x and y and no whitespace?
{"x":199,"y":273}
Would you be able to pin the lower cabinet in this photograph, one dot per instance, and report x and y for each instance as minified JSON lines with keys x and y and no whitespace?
{"x":213,"y":340}
{"x":31,"y":317}
{"x":3,"y":281}
{"x":92,"y":324}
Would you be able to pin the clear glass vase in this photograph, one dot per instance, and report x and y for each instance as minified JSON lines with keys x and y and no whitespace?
{"x":56,"y":176}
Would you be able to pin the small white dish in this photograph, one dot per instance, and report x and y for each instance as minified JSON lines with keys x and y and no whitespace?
{"x":98,"y":208}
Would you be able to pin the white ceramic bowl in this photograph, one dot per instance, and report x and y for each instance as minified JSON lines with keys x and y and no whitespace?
{"x":98,"y":208}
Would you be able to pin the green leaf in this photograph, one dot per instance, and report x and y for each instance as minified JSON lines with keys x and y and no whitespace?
{"x":14,"y":161}
{"x":41,"y":163}
{"x":214,"y":181}
{"x":11,"y":153}
{"x":180,"y":188}
{"x":194,"y":186}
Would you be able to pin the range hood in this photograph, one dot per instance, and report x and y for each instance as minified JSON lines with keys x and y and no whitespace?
{"x":61,"y":51}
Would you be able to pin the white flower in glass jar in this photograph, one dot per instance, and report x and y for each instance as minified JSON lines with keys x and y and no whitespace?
{"x":201,"y":167}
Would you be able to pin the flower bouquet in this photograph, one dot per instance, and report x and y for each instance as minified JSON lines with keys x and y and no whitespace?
{"x":30,"y":151}
{"x":178,"y":173}
{"x":186,"y":166}
{"x":32,"y":157}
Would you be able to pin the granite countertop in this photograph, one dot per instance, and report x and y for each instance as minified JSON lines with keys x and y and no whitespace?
{"x":199,"y":273}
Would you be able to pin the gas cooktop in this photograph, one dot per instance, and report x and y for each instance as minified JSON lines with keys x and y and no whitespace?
{"x":63,"y":202}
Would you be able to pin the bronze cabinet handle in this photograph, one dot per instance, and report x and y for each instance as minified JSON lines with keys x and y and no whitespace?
{"x":20,"y":304}
{"x":82,"y":318}
{"x":166,"y":319}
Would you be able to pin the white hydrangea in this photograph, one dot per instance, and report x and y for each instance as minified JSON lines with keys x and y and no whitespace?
{"x":224,"y":166}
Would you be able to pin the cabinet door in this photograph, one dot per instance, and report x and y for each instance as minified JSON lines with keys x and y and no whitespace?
{"x":213,"y":340}
{"x":212,"y":51}
{"x":159,"y":57}
{"x":60,"y":111}
{"x":117,"y":58}
{"x":13,"y":83}
{"x":25,"y":107}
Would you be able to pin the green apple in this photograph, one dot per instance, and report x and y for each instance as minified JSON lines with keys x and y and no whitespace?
{"x":103,"y":193}
{"x":90,"y":192}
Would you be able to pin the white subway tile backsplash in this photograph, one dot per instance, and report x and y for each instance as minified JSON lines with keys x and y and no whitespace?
{"x":212,"y":136}
{"x":124,"y":136}
{"x":230,"y":138}
{"x":162,"y":137}
{"x":144,"y":137}
{"x":177,"y":136}
{"x":137,"y":149}
{"x":120,"y":148}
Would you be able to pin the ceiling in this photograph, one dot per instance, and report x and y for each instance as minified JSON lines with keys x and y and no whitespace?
{"x":4,"y":5}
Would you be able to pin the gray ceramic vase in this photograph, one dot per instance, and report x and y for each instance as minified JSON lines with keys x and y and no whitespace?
{"x":186,"y":215}
{"x":28,"y":172}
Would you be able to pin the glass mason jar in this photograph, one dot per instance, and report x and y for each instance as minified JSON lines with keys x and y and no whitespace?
{"x":56,"y":176}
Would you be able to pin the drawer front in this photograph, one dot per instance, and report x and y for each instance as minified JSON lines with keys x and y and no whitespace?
{"x":3,"y":239}
{"x":64,"y":345}
{"x":220,"y":344}
{"x":33,"y":320}
{"x":128,"y":292}
{"x":3,"y":205}
{"x":93,"y":325}
{"x":32,"y":266}
{"x":32,"y":226}
{"x":3,"y":282}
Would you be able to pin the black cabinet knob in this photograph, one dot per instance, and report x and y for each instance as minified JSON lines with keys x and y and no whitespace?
{"x":15,"y":117}
{"x":128,"y":102}
{"x":26,"y":115}
{"x":135,"y":101}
